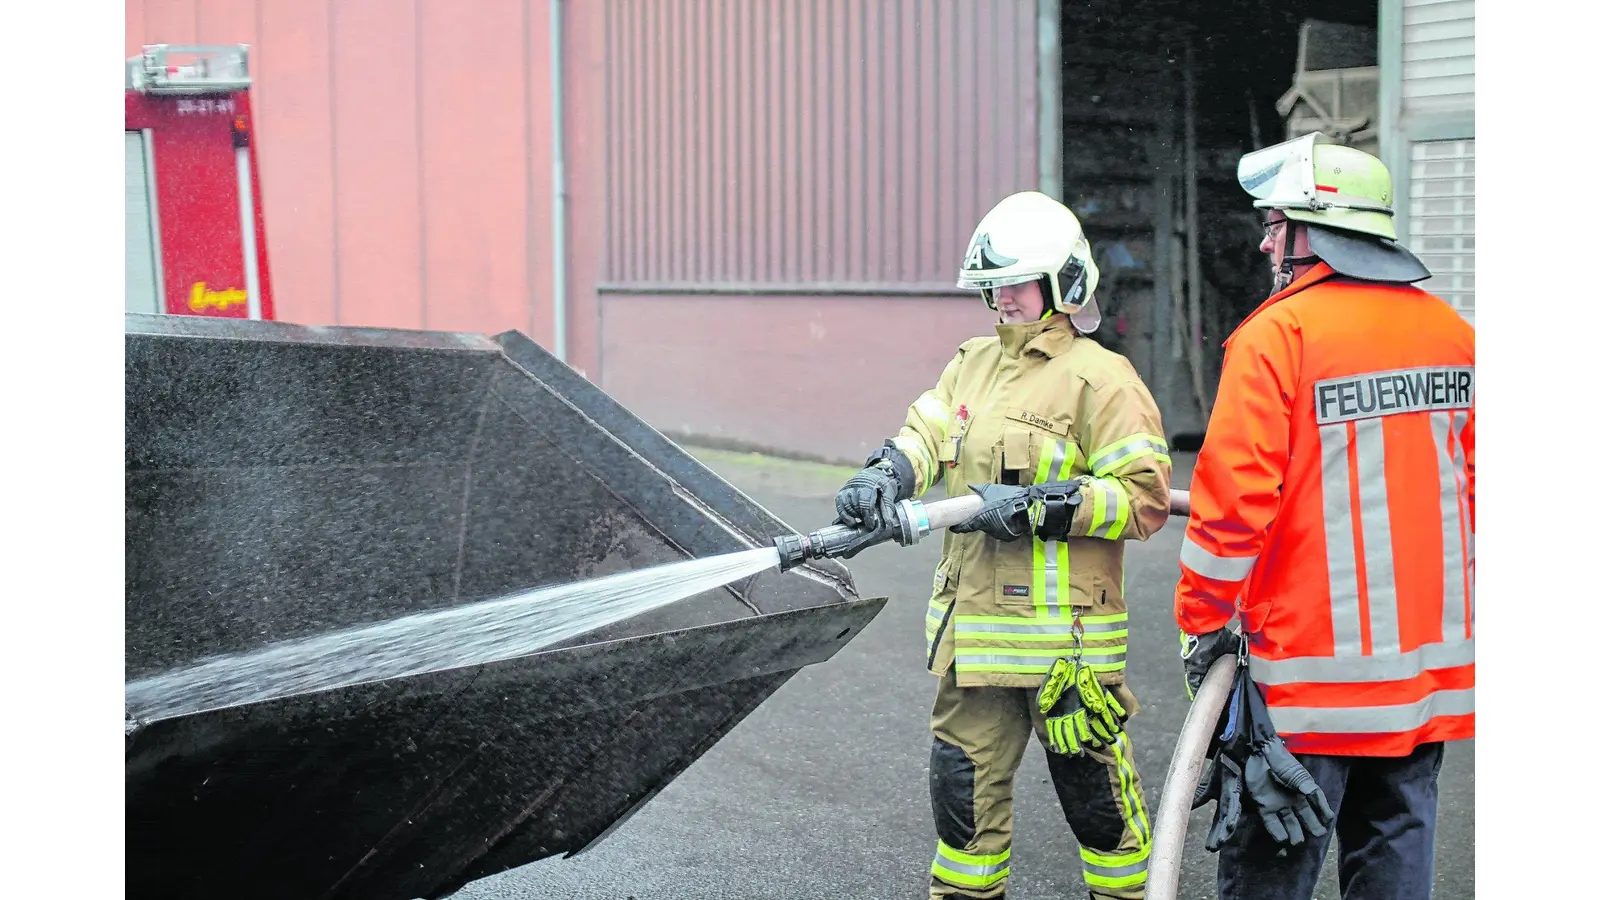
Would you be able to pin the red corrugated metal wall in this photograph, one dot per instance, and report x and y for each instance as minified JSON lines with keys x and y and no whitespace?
{"x":792,"y":185}
{"x":405,"y":153}
{"x":788,"y":180}
{"x":812,"y":144}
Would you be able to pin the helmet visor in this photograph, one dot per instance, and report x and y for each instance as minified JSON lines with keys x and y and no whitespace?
{"x":1281,"y":175}
{"x":985,"y":281}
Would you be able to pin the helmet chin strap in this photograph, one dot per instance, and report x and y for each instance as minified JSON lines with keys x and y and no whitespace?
{"x":1285,"y":274}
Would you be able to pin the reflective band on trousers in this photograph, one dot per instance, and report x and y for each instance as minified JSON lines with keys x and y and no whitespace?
{"x":967,"y":870}
{"x":1130,"y":448}
{"x":1115,"y":870}
{"x":1401,"y":717}
{"x":1354,"y":669}
{"x":1218,"y":568}
{"x":1051,"y":564}
{"x":1132,"y":807}
{"x":1357,"y":529}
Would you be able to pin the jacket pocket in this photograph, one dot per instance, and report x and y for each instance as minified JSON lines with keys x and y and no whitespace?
{"x":1033,"y":456}
{"x":1042,"y":581}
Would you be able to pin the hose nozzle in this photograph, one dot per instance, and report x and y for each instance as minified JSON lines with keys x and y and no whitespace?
{"x":909,"y":524}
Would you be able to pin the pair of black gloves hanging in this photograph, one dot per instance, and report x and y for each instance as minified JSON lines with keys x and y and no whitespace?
{"x":1009,"y":512}
{"x":1251,"y":770}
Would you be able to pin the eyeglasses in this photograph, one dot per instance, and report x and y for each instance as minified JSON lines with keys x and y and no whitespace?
{"x":1267,"y":227}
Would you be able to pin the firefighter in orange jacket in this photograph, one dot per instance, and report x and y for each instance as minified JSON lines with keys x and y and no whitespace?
{"x":1332,"y":512}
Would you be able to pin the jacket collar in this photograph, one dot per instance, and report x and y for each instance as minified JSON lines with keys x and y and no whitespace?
{"x":1317,"y":274}
{"x":1050,"y":337}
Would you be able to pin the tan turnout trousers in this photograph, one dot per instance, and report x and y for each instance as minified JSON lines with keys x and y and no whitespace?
{"x":979,"y":736}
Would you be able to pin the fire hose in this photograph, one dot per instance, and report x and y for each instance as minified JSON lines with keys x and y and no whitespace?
{"x":913,"y":521}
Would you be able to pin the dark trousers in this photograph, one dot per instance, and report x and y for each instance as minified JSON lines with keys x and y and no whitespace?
{"x":1386,"y":816}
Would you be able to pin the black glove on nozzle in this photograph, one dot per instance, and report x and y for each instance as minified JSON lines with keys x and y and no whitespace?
{"x":866,"y":502}
{"x":1008,"y":510}
{"x":887,"y":476}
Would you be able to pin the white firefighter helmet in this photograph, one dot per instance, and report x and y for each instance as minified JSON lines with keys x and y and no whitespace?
{"x":1031,"y":236}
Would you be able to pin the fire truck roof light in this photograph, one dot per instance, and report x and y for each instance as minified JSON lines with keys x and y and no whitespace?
{"x":180,"y":69}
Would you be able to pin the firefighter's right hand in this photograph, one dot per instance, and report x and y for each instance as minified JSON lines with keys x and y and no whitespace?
{"x":862,"y":500}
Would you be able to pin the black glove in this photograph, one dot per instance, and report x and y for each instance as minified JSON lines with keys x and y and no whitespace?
{"x":860,"y":502}
{"x":1224,"y":783}
{"x":1200,"y":651}
{"x":887,"y":476}
{"x":1012,"y":511}
{"x":866,"y":502}
{"x":1286,"y":793}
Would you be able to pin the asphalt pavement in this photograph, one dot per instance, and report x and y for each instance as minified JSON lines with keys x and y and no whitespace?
{"x":822,"y":792}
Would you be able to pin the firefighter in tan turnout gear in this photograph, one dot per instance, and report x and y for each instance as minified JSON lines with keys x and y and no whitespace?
{"x":1027,"y":628}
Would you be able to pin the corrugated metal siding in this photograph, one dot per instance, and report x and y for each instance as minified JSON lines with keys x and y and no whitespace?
{"x":405,"y":153}
{"x":1442,"y":223}
{"x":1438,"y":57}
{"x":812,"y":145}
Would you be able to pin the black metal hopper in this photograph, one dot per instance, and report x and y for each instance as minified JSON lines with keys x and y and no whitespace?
{"x":284,"y":481}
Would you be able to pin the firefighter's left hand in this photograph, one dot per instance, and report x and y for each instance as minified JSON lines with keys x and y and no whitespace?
{"x":1003,"y":516}
{"x":1010,"y":512}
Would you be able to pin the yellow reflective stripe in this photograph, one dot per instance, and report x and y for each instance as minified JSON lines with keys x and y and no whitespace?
{"x":1112,"y":860}
{"x":1042,"y":621}
{"x":935,"y":411}
{"x":1135,"y":446}
{"x":1133,"y":809}
{"x":1115,"y":870}
{"x":1130,"y":879}
{"x":1088,"y":650}
{"x":1051,"y":565}
{"x":970,"y":870}
{"x":1005,"y":660}
{"x":1120,"y":634}
{"x":1041,"y":669}
{"x":1111,"y":506}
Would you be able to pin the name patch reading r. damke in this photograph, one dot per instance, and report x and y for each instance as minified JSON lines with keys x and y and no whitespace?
{"x":1391,"y":393}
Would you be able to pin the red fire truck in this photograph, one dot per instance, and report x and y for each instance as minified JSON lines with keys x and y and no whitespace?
{"x":196,"y":243}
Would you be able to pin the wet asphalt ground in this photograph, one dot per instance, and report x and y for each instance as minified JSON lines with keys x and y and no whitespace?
{"x":822,"y":791}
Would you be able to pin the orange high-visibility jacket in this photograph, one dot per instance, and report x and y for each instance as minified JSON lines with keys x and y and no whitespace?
{"x":1333,"y":508}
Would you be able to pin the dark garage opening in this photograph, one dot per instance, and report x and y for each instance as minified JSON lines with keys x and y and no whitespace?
{"x":1128,"y":68}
